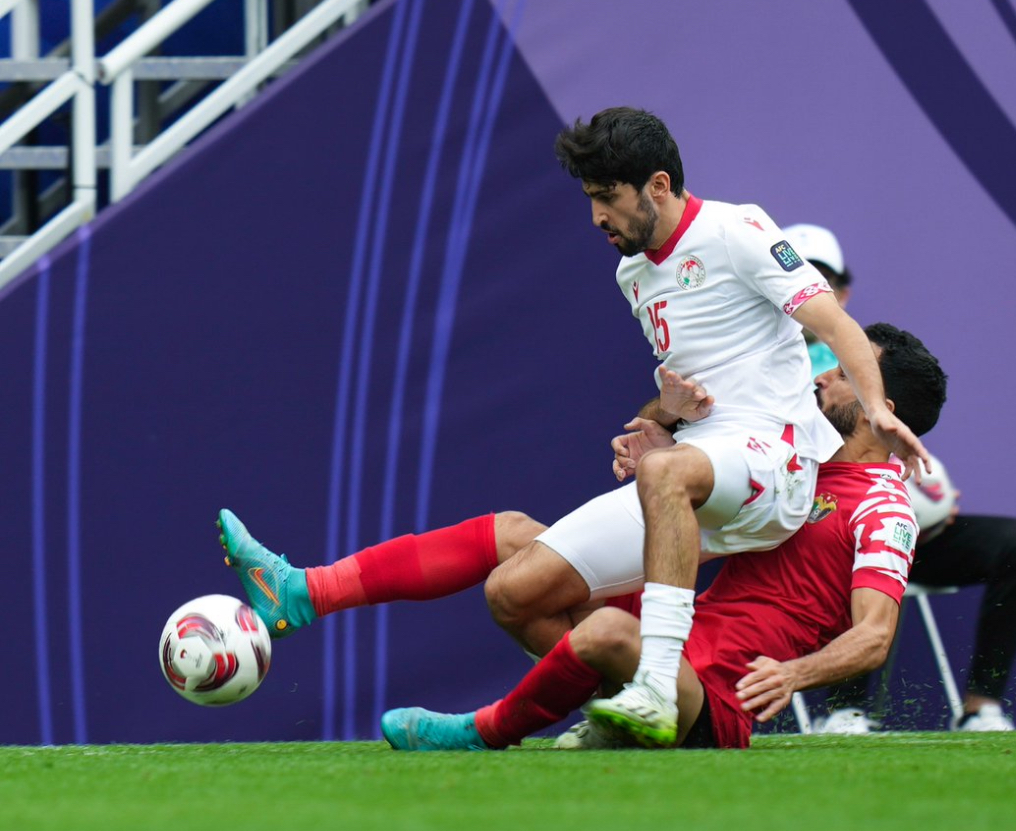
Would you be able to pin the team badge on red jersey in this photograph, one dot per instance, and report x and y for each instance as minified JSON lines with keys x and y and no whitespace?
{"x":690,"y":273}
{"x":824,"y":504}
{"x":786,"y":256}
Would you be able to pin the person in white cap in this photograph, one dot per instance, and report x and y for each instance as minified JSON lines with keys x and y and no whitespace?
{"x":968,"y":550}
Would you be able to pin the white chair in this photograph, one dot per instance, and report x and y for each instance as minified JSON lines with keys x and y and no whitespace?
{"x":919,"y":594}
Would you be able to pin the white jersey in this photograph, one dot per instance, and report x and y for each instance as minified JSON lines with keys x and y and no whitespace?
{"x":715,"y":302}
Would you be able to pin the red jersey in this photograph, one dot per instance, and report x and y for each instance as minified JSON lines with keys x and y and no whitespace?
{"x":793,"y":600}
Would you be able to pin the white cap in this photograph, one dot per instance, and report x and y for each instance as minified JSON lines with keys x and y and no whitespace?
{"x":812,"y":242}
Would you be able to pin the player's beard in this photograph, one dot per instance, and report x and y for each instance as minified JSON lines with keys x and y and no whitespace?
{"x":641,"y":228}
{"x":844,"y":417}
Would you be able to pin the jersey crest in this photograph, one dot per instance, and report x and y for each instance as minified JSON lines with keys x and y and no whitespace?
{"x":690,"y":273}
{"x":823,"y":506}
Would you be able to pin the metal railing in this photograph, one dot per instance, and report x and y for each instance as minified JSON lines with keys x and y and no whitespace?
{"x":120,"y":69}
{"x":77,"y":85}
{"x":128,"y":165}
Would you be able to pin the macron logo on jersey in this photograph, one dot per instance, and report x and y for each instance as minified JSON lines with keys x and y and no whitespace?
{"x":786,"y":256}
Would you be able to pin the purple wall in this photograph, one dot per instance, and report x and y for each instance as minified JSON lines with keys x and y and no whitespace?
{"x":348,"y":309}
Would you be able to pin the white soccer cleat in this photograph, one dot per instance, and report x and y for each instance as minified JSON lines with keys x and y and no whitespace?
{"x":847,"y":722}
{"x":989,"y":719}
{"x":638,"y":711}
{"x":588,"y":736}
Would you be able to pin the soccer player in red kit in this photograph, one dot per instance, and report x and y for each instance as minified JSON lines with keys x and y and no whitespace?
{"x":822,"y":606}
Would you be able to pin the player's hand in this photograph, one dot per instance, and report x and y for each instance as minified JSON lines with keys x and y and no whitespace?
{"x":644,"y":435}
{"x":768,"y":686}
{"x":900,"y":439}
{"x":683,"y":397}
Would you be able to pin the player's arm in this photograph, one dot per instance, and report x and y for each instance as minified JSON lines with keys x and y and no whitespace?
{"x":653,"y":427}
{"x":841,"y":333}
{"x":653,"y":411}
{"x":769,"y":684}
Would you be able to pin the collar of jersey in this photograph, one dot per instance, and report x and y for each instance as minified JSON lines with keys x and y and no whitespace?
{"x":691,"y":210}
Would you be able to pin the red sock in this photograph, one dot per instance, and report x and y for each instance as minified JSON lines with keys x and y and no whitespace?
{"x":558,"y":684}
{"x":413,"y":567}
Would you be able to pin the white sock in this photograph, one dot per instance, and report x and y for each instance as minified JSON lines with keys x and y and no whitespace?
{"x":666,"y":623}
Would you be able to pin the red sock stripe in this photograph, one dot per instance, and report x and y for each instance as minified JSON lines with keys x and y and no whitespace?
{"x":413,"y":567}
{"x":557,"y":685}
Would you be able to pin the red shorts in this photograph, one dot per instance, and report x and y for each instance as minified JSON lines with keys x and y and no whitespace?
{"x":725,"y":637}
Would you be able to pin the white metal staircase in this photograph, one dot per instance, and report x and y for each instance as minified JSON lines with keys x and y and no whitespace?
{"x":72,"y":76}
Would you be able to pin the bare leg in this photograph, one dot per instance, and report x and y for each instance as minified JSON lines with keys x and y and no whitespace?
{"x":513,"y":531}
{"x":532,"y":594}
{"x":672,"y":483}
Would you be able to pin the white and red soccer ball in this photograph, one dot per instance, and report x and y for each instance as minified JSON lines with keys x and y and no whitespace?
{"x":215,"y":650}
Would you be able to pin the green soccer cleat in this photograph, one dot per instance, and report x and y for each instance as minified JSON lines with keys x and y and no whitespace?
{"x":414,"y":728}
{"x":640,"y":712}
{"x":276,"y":590}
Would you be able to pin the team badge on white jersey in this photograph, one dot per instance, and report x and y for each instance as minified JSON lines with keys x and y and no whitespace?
{"x":690,"y":273}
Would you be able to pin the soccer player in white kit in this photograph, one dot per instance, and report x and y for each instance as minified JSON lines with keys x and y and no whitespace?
{"x":721,"y":297}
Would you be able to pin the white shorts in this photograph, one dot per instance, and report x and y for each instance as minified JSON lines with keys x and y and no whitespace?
{"x":762,"y":494}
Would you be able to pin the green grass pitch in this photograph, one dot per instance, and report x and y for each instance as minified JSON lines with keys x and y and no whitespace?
{"x":916,"y":781}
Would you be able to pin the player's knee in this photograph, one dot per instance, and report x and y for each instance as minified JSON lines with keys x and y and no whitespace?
{"x":513,"y":531}
{"x":507,"y":600}
{"x":606,"y":636}
{"x":661,"y":472}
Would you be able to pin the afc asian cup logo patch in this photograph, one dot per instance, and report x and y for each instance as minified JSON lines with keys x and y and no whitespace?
{"x":786,"y":256}
{"x":690,"y":273}
{"x":824,"y":504}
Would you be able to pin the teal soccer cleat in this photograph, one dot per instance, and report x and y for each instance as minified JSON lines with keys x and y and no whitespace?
{"x":276,"y":590}
{"x":414,"y":728}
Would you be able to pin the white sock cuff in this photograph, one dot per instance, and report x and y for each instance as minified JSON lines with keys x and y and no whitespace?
{"x":670,"y":595}
{"x":667,"y":611}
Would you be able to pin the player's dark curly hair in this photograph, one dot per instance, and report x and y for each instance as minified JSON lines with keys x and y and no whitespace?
{"x":623,"y":145}
{"x":911,"y":376}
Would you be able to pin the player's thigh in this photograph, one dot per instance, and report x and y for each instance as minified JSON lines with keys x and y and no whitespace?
{"x":536,"y":582}
{"x":602,"y":541}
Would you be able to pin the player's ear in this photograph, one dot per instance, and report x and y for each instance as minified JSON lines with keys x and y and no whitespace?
{"x":659,"y":184}
{"x":890,"y":405}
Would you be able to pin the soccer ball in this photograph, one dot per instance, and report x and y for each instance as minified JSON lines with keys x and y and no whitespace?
{"x":215,"y":650}
{"x":933,"y":499}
